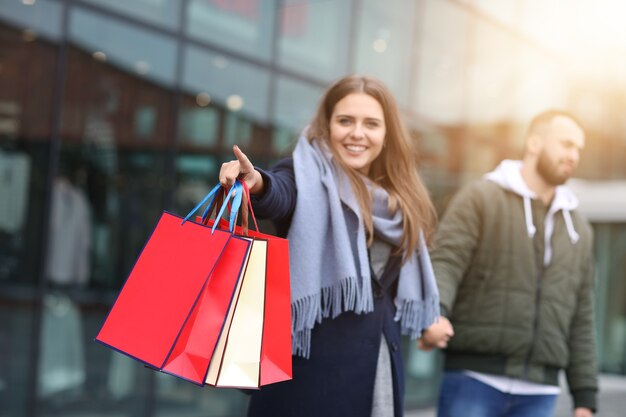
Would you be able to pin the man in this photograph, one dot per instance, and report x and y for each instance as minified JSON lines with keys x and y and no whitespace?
{"x":514,"y":266}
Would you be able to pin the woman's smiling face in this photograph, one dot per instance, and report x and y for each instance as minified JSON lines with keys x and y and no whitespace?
{"x":357,"y":130}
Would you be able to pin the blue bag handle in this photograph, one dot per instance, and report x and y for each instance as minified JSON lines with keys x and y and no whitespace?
{"x":236,"y":193}
{"x":208,"y":208}
{"x":210,"y":196}
{"x":205,"y":214}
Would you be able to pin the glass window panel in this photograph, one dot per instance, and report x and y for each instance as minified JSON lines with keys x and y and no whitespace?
{"x":610,"y":252}
{"x":615,"y":343}
{"x":27,"y":76}
{"x":384,"y":44}
{"x":284,"y":140}
{"x":25,"y":132}
{"x":478,"y":157}
{"x":42,"y":17}
{"x":230,"y":83}
{"x":422,"y":371}
{"x":17,"y":318}
{"x":160,"y":12}
{"x":195,"y":175}
{"x":435,"y":150}
{"x":237,"y":131}
{"x":78,"y":377}
{"x":116,"y":132}
{"x":180,"y":398}
{"x":442,"y":62}
{"x":145,"y":121}
{"x":144,"y":53}
{"x":551,"y":22}
{"x":506,"y":12}
{"x":199,"y":126}
{"x":296,"y":103}
{"x":542,"y":84}
{"x":98,"y":226}
{"x":15,"y":173}
{"x":244,"y":26}
{"x":492,"y":75}
{"x":314,"y":37}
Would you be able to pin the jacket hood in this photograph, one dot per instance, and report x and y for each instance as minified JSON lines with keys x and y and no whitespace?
{"x":508,"y":175}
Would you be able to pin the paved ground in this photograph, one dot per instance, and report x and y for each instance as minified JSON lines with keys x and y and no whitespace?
{"x":612,"y":400}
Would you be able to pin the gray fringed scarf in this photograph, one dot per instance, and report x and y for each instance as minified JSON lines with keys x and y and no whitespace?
{"x":329,"y":261}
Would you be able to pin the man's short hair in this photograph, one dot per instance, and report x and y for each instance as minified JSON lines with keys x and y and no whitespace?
{"x":540,"y":122}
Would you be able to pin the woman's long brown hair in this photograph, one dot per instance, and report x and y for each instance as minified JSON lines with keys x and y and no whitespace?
{"x":395,"y":169}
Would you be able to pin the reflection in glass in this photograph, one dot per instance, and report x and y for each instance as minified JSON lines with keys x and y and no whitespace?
{"x":543,"y":84}
{"x":195,"y":175}
{"x":552,"y":25}
{"x":25,"y":132}
{"x":145,"y":121}
{"x":241,"y":26}
{"x":115,"y":135}
{"x":421,"y":370}
{"x":507,"y":12}
{"x":478,"y":158}
{"x":40,"y":18}
{"x":147,"y":54}
{"x":77,"y":376}
{"x":442,"y":60}
{"x":62,"y":367}
{"x":199,"y":126}
{"x":160,"y":12}
{"x":27,"y":74}
{"x":237,"y":131}
{"x":69,"y":235}
{"x":176,"y":397}
{"x":610,"y":247}
{"x":284,"y":140}
{"x":296,"y":103}
{"x":229,"y":82}
{"x":492,"y":75}
{"x":106,"y":199}
{"x":384,"y":44}
{"x":15,"y":168}
{"x":16,"y":352}
{"x":314,"y":37}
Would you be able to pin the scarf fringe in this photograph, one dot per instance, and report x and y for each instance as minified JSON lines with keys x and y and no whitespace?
{"x":348,"y":295}
{"x":415,"y":316}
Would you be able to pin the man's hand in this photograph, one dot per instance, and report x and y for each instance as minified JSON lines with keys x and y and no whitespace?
{"x":437,"y":335}
{"x":582,"y":412}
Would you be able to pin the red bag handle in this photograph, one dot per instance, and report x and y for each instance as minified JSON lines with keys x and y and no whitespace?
{"x":246,"y":207}
{"x":246,"y":195}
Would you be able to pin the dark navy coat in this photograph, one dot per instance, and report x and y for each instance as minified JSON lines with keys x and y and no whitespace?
{"x":338,"y":378}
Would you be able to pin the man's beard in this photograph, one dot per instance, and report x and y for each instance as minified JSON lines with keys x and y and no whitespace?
{"x":548,"y":170}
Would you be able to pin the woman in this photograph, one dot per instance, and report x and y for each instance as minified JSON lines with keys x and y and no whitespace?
{"x":357,"y":217}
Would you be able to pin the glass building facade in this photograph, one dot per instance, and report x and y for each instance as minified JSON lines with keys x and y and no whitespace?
{"x":112,"y":111}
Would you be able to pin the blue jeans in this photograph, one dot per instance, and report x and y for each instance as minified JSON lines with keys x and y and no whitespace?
{"x":463,"y":396}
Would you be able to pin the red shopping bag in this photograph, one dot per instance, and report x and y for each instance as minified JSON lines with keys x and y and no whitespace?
{"x":194,"y":348}
{"x":164,"y":285}
{"x":237,"y":358}
{"x":275,"y":361}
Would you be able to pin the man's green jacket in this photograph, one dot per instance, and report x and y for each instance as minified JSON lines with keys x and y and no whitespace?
{"x":516,"y":280}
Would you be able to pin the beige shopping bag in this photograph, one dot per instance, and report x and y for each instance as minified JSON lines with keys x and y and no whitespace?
{"x":237,"y":358}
